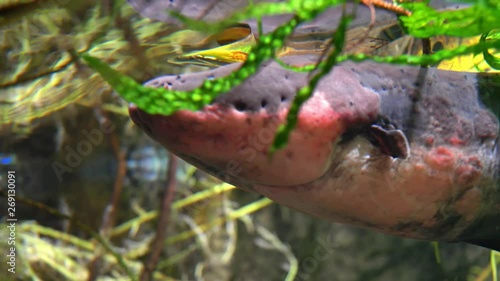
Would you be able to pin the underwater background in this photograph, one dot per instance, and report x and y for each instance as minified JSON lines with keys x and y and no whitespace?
{"x":89,"y":183}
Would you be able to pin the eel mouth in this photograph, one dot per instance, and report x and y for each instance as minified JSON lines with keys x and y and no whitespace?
{"x":233,"y":145}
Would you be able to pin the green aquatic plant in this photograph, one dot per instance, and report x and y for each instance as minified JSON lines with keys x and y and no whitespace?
{"x":40,"y":81}
{"x":166,"y":102}
{"x":422,"y":22}
{"x":477,"y":19}
{"x":118,"y":72}
{"x":66,"y":259}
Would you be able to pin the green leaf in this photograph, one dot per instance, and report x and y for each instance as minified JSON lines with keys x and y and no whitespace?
{"x":166,"y":102}
{"x":477,"y":19}
{"x":306,"y":92}
{"x":425,"y":21}
{"x":493,"y":61}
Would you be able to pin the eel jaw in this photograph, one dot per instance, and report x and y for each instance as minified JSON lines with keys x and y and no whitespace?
{"x":434,"y":194}
{"x":234,"y":145}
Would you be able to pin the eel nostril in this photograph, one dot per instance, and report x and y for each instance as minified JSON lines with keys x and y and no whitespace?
{"x":263,"y":103}
{"x":240,"y":106}
{"x":143,"y":121}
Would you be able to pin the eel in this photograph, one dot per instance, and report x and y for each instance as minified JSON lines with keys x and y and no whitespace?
{"x":403,"y":150}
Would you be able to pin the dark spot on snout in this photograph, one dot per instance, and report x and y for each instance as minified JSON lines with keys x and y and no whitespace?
{"x":250,"y":100}
{"x":240,"y":105}
{"x":271,"y":90}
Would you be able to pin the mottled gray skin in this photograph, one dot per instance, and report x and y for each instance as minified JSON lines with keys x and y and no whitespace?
{"x":434,"y":107}
{"x":453,"y":138}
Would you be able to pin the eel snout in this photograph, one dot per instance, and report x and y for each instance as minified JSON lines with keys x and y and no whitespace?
{"x":231,"y":137}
